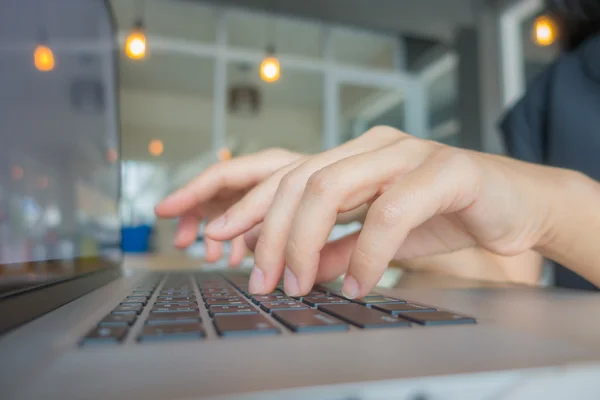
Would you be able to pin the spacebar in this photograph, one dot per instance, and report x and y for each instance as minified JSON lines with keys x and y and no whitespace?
{"x":363,"y":317}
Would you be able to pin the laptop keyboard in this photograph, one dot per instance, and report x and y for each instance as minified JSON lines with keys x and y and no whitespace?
{"x":185,"y":307}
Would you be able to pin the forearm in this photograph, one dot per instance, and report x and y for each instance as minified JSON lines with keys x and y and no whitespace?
{"x":573,"y":228}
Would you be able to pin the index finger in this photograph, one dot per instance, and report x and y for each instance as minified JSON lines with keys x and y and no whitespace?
{"x":238,"y":173}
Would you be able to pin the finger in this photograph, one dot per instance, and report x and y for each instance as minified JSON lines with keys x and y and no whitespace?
{"x":238,"y":173}
{"x":335,"y":258}
{"x":271,"y":246}
{"x":238,"y":251}
{"x":442,"y":184}
{"x":187,"y":231}
{"x":214,"y":249}
{"x":250,"y":210}
{"x":338,"y":188}
{"x":251,"y":237}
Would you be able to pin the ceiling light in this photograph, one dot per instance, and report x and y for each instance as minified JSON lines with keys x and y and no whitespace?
{"x":544,"y":32}
{"x":270,"y":70}
{"x":135,"y":44}
{"x":156,"y":147}
{"x":43,"y":58}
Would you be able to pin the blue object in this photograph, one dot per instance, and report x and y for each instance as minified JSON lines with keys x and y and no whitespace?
{"x":135,"y":239}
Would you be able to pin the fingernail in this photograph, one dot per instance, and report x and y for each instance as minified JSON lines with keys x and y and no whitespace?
{"x":290,"y":283}
{"x":215,"y":225}
{"x":350,"y":289}
{"x":257,"y":281}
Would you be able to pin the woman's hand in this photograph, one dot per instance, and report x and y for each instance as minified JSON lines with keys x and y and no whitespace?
{"x":215,"y":190}
{"x":421,"y":198}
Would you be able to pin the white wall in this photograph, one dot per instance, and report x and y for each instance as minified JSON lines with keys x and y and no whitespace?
{"x":183,"y":123}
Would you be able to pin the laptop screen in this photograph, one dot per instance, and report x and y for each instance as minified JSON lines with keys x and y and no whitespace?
{"x":59,"y":155}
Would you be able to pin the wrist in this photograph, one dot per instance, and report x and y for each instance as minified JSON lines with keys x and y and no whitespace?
{"x":572,"y":215}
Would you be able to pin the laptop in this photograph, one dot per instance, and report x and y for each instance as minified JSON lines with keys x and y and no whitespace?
{"x":75,"y":324}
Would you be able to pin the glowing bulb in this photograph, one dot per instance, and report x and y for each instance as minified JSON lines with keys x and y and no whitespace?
{"x":544,"y":31}
{"x":270,"y":70}
{"x":224,"y":154}
{"x":16,"y":172}
{"x":43,"y":58}
{"x":135,"y":44}
{"x":156,"y":147}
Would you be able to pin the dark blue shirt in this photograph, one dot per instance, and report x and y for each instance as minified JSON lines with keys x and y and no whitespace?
{"x":557,"y":123}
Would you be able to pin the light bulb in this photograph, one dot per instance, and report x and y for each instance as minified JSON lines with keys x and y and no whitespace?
{"x":544,"y":31}
{"x":270,"y":71}
{"x":156,"y":147}
{"x":43,"y":58}
{"x":135,"y":44}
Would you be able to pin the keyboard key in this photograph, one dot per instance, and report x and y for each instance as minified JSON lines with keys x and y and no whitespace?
{"x":438,"y":318}
{"x":155,"y":333}
{"x":118,"y":320}
{"x":276,"y":297}
{"x":222,"y":310}
{"x":105,"y":335}
{"x":135,"y":308}
{"x":283,"y":305}
{"x":176,"y":292}
{"x":176,"y":303}
{"x":226,"y":302}
{"x":173,"y":318}
{"x":176,"y":298}
{"x":243,"y":325}
{"x":219,"y":290}
{"x":224,"y":296}
{"x":397,"y":308}
{"x":313,"y":301}
{"x":362,"y":316}
{"x":170,"y":309}
{"x":313,"y":293}
{"x":368,"y":300}
{"x":134,"y":300}
{"x":309,"y":320}
{"x":144,"y":298}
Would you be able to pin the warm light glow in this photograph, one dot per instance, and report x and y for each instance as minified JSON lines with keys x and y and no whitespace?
{"x":156,"y":147}
{"x":16,"y":172}
{"x":111,"y":155}
{"x":42,"y":182}
{"x":135,"y":44}
{"x":43,"y":58}
{"x":270,"y":70}
{"x":224,"y":154}
{"x":544,"y":31}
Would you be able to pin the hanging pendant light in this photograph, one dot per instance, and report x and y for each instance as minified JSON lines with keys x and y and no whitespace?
{"x":136,"y":43}
{"x":270,"y":69}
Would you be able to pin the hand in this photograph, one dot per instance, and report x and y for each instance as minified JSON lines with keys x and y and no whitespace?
{"x":421,"y":198}
{"x":215,"y":190}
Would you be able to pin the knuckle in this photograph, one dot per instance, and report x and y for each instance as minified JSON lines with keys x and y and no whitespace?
{"x":388,"y":213}
{"x":320,"y":183}
{"x":384,"y":133}
{"x":291,"y":183}
{"x":451,"y":157}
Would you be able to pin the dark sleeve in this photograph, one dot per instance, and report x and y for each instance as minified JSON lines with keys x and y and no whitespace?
{"x":524,"y":127}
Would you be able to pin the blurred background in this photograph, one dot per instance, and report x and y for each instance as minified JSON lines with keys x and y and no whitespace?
{"x":197,"y":81}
